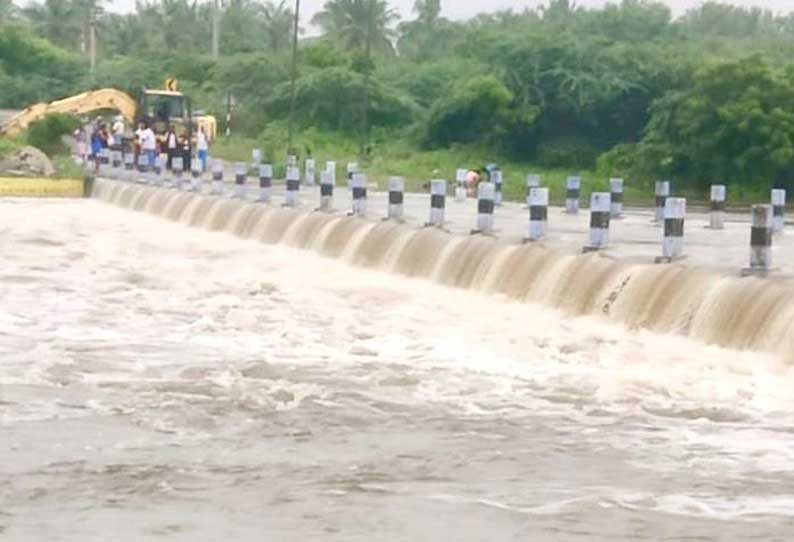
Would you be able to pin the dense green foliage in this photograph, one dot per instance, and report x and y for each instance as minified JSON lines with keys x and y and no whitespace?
{"x":47,"y":132}
{"x":625,"y":89}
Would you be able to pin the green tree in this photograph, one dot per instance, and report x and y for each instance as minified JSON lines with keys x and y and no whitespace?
{"x":277,"y":24}
{"x":348,"y":21}
{"x":734,"y":123}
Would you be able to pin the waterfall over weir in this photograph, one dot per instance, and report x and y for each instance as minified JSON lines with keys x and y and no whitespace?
{"x":724,"y":310}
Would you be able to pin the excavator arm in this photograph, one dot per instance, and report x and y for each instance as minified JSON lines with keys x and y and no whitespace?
{"x":106,"y":98}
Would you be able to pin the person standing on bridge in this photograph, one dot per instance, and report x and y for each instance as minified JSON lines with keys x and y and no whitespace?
{"x":202,"y":147}
{"x":171,"y":145}
{"x":149,"y":144}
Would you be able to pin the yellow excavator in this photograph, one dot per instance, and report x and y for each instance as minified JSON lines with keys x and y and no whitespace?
{"x":159,"y":108}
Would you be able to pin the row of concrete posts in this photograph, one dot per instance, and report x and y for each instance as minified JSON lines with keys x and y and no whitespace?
{"x":604,"y":206}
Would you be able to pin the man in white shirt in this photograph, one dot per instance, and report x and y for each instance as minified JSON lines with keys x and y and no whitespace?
{"x":149,"y":145}
{"x":202,"y":147}
{"x":118,"y":131}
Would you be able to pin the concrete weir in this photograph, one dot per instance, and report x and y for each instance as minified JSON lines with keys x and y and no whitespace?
{"x":707,"y":305}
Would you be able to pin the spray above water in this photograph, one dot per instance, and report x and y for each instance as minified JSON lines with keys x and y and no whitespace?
{"x":727,"y":311}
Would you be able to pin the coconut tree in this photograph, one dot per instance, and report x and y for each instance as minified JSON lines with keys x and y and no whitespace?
{"x":349,"y":21}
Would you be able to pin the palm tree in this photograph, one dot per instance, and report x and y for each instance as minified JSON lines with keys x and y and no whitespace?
{"x":417,"y":36}
{"x":8,"y":11}
{"x":277,"y":22}
{"x":348,"y":21}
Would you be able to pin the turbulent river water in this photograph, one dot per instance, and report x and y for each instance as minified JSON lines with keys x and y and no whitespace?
{"x":162,"y":382}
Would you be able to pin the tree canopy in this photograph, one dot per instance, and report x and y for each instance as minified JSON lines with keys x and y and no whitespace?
{"x":704,"y":97}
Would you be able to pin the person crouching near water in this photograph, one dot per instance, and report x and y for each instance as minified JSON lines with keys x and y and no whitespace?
{"x":473,"y":177}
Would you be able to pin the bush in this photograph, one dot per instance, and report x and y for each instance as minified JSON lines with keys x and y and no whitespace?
{"x":7,"y":146}
{"x":568,"y":152}
{"x":478,"y":110}
{"x":46,"y":133}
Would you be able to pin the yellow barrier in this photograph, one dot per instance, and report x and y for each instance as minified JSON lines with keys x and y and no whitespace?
{"x":24,"y":187}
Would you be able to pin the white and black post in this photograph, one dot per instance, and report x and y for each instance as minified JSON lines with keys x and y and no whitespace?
{"x":616,"y":197}
{"x":761,"y":241}
{"x":352,"y":169}
{"x":779,"y":209}
{"x":359,"y":185}
{"x":573,"y":187}
{"x":485,"y":206}
{"x":717,"y":215}
{"x":497,"y":180}
{"x":195,"y":175}
{"x":293,"y":185}
{"x":330,"y":167}
{"x":217,"y":177}
{"x":396,"y":197}
{"x":143,"y":168}
{"x":460,"y":185}
{"x":600,"y":212}
{"x":326,"y":191}
{"x":309,"y":172}
{"x":265,"y":183}
{"x":129,"y":167}
{"x":662,"y":193}
{"x":538,"y":213}
{"x":240,"y":176}
{"x":673,"y":241}
{"x":159,"y":173}
{"x":533,"y":181}
{"x":177,"y":169}
{"x":438,"y":200}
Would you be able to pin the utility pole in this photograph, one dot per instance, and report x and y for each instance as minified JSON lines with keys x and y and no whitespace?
{"x":216,"y":24}
{"x":367,"y":69}
{"x":92,"y":38}
{"x":293,"y":77}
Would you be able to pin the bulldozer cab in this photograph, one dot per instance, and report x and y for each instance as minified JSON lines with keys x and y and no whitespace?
{"x":161,"y":108}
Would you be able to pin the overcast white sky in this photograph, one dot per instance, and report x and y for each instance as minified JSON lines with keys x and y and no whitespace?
{"x":462,"y":9}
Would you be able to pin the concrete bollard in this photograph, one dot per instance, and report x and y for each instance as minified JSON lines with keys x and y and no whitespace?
{"x":293,"y":185}
{"x":497,"y":180}
{"x":177,"y":169}
{"x":217,"y":177}
{"x":673,"y":241}
{"x":616,"y":197}
{"x":779,"y":209}
{"x":533,"y":181}
{"x":359,"y":185}
{"x":240,"y":176}
{"x":485,"y":206}
{"x":717,"y":215}
{"x":195,"y":175}
{"x":309,"y":172}
{"x":158,"y":171}
{"x":438,"y":202}
{"x":143,"y":168}
{"x":763,"y":225}
{"x":129,"y":167}
{"x":396,"y":196}
{"x":265,"y":183}
{"x":326,"y":191}
{"x":352,"y":168}
{"x":460,"y":185}
{"x":573,"y":187}
{"x":116,"y":158}
{"x":330,"y":167}
{"x":538,"y":201}
{"x":662,"y":193}
{"x":600,"y":212}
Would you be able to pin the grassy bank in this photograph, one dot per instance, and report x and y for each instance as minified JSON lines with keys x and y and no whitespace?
{"x":419,"y":166}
